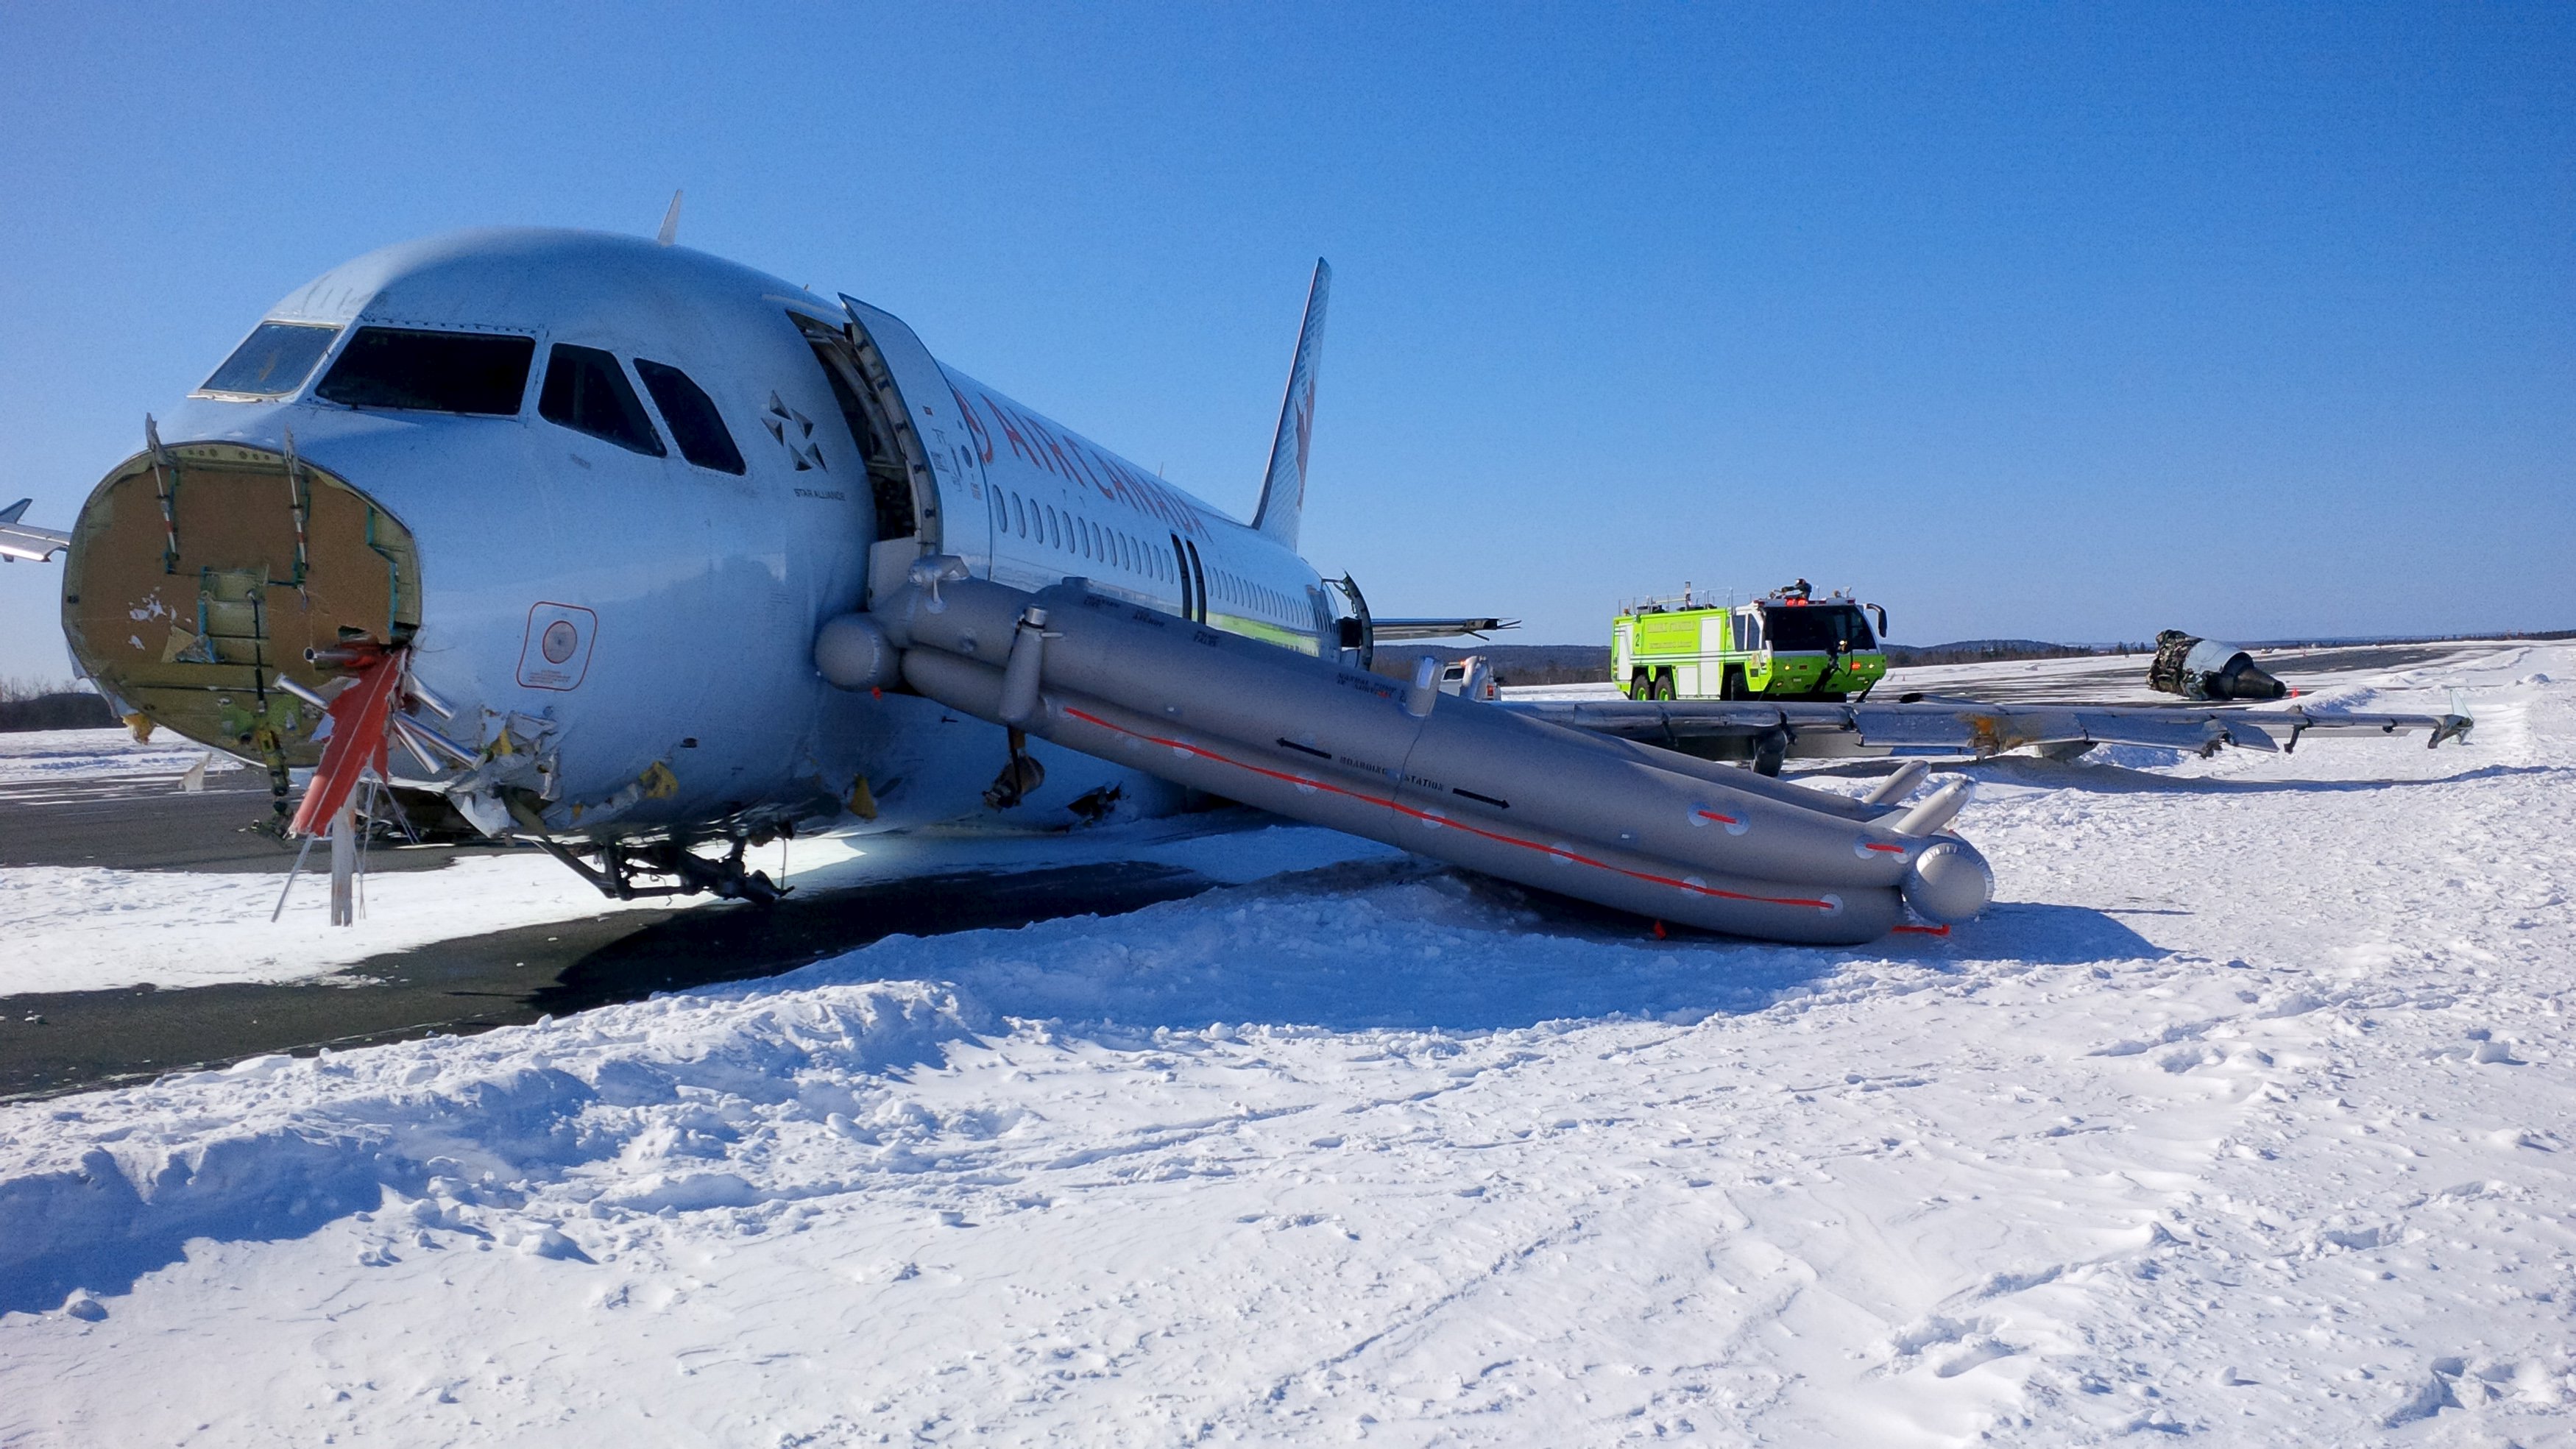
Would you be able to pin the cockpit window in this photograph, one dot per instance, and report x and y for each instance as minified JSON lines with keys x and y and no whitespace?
{"x":438,"y":372}
{"x":587,"y":392}
{"x":273,"y":361}
{"x":695,"y":424}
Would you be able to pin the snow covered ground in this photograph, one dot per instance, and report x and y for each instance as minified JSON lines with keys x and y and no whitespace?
{"x":34,"y":757}
{"x":83,"y":928}
{"x":88,"y":928}
{"x":2248,"y":1114}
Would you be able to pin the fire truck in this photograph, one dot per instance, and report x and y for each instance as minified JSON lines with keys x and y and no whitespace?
{"x":1789,"y":644}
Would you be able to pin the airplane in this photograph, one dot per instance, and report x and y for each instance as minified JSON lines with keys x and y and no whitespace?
{"x":604,"y":490}
{"x":622,"y":550}
{"x":20,"y":540}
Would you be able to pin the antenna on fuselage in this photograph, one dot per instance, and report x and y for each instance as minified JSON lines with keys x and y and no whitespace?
{"x":670,"y":223}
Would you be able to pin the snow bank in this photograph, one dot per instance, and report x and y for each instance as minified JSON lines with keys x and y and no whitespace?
{"x":2245,"y":1116}
{"x":274,"y":1147}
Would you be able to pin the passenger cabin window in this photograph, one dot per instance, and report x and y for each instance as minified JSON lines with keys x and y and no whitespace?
{"x":694,"y":422}
{"x":432,"y":372}
{"x":273,"y":361}
{"x":587,"y":392}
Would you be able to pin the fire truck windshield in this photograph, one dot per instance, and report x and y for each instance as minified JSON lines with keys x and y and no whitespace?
{"x":1822,"y":628}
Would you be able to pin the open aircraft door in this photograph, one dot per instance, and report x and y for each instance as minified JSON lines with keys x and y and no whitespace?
{"x":930,"y":491}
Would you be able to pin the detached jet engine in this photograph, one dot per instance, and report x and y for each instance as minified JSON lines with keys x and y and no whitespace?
{"x":2208,"y":669}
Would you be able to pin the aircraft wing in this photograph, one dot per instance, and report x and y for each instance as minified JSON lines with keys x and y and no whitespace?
{"x":1932,"y":725}
{"x":22,"y":540}
{"x":1390,"y":631}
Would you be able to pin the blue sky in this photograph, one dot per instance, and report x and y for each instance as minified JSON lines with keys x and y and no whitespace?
{"x":2069,"y":321}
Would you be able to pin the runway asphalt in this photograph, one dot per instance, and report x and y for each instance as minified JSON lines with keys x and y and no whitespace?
{"x":144,"y":823}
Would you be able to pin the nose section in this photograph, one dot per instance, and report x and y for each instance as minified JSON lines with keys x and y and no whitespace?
{"x":201,"y":572}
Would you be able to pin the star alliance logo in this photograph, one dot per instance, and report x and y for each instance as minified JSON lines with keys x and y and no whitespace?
{"x":781,"y":419}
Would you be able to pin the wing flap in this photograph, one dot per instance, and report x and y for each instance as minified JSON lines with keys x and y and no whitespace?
{"x":1390,"y":631}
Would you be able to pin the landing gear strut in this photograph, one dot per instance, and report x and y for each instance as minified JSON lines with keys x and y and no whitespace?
{"x":1021,"y":775}
{"x":689,"y":872}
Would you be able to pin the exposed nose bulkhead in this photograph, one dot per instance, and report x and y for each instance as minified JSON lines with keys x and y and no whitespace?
{"x":200,"y":574}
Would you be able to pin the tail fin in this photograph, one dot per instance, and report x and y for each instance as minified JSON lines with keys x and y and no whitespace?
{"x":1283,"y":486}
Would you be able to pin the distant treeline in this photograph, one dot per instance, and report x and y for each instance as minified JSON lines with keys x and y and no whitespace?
{"x":1513,"y":663}
{"x":2339,"y":643}
{"x":1990,"y":651}
{"x":33,"y":707}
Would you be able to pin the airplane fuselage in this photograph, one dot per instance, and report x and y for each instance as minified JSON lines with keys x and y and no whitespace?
{"x":595,"y":581}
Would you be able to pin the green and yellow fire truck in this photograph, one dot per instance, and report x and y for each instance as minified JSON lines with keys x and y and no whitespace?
{"x":1787,"y":645}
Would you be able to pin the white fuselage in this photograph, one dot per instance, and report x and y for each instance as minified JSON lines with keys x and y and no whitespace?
{"x":690,"y":595}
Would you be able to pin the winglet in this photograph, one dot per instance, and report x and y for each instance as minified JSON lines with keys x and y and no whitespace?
{"x":1283,"y":485}
{"x":670,"y":231}
{"x":15,"y":511}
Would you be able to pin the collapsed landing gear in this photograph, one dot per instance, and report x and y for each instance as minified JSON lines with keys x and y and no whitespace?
{"x":1770,"y":751}
{"x":1021,"y":775}
{"x":689,"y":873}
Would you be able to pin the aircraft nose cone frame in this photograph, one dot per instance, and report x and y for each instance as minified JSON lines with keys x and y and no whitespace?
{"x":204,"y":579}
